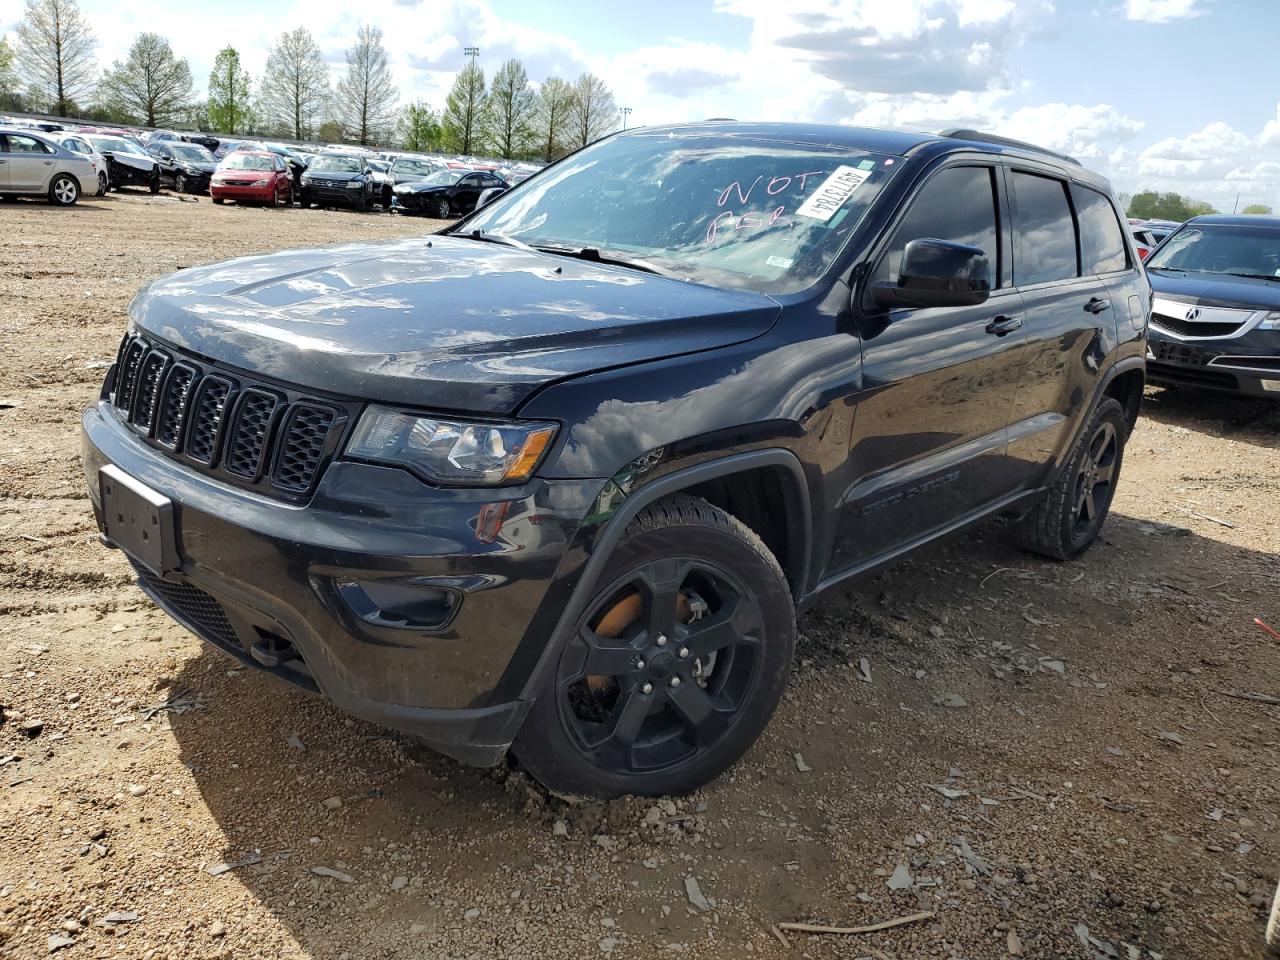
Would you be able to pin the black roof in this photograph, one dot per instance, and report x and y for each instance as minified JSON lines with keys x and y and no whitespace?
{"x":900,"y":143}
{"x":1238,"y":220}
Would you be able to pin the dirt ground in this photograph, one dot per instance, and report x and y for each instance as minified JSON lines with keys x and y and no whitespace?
{"x":1043,"y":757}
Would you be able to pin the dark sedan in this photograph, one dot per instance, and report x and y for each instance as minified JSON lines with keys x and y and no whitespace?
{"x":1215,"y":318}
{"x":186,"y":167}
{"x":128,"y":165}
{"x":447,"y":193}
{"x":339,"y":178}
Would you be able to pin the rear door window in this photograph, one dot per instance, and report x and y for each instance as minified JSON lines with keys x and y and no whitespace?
{"x":1101,"y":240}
{"x":1044,"y":232}
{"x":959,"y":205}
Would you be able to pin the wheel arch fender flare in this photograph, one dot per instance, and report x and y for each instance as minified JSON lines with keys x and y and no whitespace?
{"x":683,"y":479}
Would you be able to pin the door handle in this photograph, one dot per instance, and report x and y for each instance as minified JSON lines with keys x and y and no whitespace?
{"x":1002,"y":325}
{"x":1097,"y":305}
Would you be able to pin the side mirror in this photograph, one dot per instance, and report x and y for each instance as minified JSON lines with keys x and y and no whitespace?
{"x":937,"y":273}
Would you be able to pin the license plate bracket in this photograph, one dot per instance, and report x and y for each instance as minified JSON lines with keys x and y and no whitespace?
{"x":138,"y":520}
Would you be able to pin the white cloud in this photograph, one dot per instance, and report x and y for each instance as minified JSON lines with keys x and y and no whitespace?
{"x":1271,"y":132}
{"x":1162,"y":11}
{"x":1215,"y":163}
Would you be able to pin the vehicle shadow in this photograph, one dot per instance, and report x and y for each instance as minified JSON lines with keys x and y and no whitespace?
{"x":1204,"y":411}
{"x":823,"y":800}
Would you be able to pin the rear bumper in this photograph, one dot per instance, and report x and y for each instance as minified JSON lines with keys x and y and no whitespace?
{"x":1248,"y":365}
{"x":252,"y":570}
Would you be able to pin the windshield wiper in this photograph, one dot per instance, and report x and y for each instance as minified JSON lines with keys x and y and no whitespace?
{"x":1253,"y":276}
{"x":594,"y":255}
{"x":499,"y":238}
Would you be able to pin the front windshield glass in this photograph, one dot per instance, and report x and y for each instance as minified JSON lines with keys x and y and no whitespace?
{"x":380,"y":165}
{"x":442,"y":178}
{"x":111,"y":145}
{"x":247,"y":161}
{"x":191,"y":151}
{"x":727,"y":211}
{"x":336,"y":164}
{"x":408,"y":165}
{"x":1244,"y":250}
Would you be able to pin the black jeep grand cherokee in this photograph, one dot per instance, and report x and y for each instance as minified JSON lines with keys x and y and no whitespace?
{"x":557,"y":478}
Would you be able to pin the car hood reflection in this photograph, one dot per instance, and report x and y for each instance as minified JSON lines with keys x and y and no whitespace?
{"x":440,"y":321}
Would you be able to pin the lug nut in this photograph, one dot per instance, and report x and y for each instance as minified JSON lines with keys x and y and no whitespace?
{"x":661,"y":640}
{"x":647,"y":688}
{"x":675,"y":681}
{"x":684,"y":652}
{"x":639,"y":664}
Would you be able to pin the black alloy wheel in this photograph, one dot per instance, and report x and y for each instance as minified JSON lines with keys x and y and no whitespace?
{"x":673,"y":667}
{"x":660,"y":665}
{"x":1095,"y":486}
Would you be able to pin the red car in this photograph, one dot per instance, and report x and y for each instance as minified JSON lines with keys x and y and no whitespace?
{"x":254,"y":175}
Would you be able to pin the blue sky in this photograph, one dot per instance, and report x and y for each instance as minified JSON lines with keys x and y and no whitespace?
{"x":1171,"y":94}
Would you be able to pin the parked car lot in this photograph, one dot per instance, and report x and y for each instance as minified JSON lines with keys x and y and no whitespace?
{"x":1080,"y":700}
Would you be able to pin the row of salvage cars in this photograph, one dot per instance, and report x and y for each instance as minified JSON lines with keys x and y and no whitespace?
{"x":65,"y":164}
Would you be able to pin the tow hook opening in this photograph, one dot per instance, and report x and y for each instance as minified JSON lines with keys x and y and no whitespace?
{"x":272,"y":651}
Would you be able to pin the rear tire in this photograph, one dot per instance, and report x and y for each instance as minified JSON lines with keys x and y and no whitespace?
{"x":64,"y":191}
{"x":219,"y":200}
{"x":675,"y":666}
{"x":1067,"y":518}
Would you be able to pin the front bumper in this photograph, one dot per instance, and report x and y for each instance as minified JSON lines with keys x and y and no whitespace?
{"x":197,"y":182}
{"x":1247,"y":365}
{"x":231,"y":191}
{"x":253,"y":569}
{"x":414,"y":203}
{"x":123,"y":175}
{"x":332,"y":193}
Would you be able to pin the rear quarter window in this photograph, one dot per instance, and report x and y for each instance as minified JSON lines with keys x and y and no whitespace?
{"x":1102,"y":247}
{"x":1043,"y":229}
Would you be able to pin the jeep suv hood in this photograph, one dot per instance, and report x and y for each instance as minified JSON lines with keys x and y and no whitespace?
{"x":438,"y":321}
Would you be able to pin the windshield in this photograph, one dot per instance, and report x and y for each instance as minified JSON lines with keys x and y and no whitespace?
{"x":247,"y":161}
{"x":380,"y":165}
{"x":442,"y":178}
{"x":191,"y":151}
{"x":753,"y":214}
{"x":406,"y":165}
{"x":1243,"y":250}
{"x":111,"y":145}
{"x":337,"y":164}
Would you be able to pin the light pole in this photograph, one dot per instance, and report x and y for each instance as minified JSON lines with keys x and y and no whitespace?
{"x":626,"y":112}
{"x":472,"y":52}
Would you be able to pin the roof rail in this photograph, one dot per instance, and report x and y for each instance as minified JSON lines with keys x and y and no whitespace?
{"x":978,"y":136}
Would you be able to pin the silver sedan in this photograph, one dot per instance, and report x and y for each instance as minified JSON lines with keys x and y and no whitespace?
{"x":33,"y":164}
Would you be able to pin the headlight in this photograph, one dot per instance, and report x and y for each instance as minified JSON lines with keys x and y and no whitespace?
{"x":1270,"y":321}
{"x":305,"y":181}
{"x":451,"y":451}
{"x":261,"y":183}
{"x":354,"y":184}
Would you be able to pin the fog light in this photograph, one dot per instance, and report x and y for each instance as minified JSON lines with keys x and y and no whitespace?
{"x":410,"y":604}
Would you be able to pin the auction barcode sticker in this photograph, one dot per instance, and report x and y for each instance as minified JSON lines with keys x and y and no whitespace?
{"x":834,"y":191}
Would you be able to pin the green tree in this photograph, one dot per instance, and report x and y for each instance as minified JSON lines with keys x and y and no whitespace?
{"x":295,"y":87}
{"x":1152,"y":205}
{"x":331,"y":132}
{"x":419,"y":128}
{"x":229,"y":85}
{"x":366,"y":96}
{"x":1260,"y":209}
{"x":592,"y":113}
{"x":55,"y":54}
{"x":463,"y":118}
{"x":555,"y":98}
{"x":510,"y":111}
{"x":152,"y":85}
{"x":9,"y":98}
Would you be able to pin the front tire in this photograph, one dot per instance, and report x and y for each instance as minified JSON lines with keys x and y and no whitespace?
{"x":64,"y":191}
{"x":676,"y":665}
{"x":179,"y":183}
{"x":103,"y":184}
{"x":154,"y":186}
{"x":443,"y":210}
{"x":1067,"y":518}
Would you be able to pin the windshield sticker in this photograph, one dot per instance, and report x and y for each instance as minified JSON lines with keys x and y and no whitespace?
{"x":782,"y":263}
{"x":835,"y":190}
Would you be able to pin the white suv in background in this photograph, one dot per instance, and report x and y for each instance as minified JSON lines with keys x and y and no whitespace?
{"x":78,"y":144}
{"x":31,"y":163}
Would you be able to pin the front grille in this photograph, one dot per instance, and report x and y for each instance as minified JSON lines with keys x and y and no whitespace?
{"x":1184,"y":328}
{"x":193,"y":605}
{"x":273,"y":439}
{"x":1166,"y":352}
